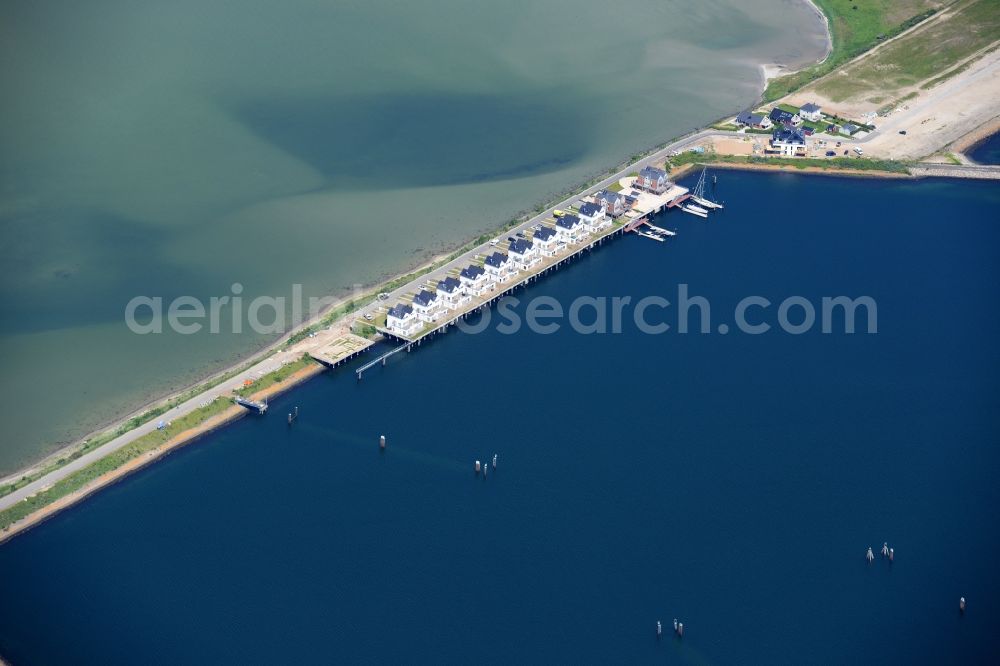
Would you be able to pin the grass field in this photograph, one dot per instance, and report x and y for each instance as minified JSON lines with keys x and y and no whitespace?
{"x":925,"y":55}
{"x":855,"y":26}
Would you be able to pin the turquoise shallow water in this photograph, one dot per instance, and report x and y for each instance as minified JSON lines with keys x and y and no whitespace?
{"x":732,"y":481}
{"x":168,"y":149}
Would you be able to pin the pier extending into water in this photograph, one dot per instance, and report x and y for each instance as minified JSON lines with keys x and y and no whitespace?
{"x":381,"y":359}
{"x":646,"y":205}
{"x":253,"y":405}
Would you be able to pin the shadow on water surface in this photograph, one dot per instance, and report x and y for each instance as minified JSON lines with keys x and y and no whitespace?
{"x":392,"y":140}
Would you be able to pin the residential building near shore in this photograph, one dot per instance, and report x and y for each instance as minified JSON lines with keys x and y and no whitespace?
{"x":534,"y":250}
{"x":788,"y":142}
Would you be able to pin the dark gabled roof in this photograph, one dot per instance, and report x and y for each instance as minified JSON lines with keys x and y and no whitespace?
{"x":747,"y":118}
{"x":544,"y":233}
{"x":449,"y":285}
{"x":789,"y":135}
{"x":520,"y":245}
{"x":424,"y":298}
{"x":590,"y":209}
{"x":631,"y":200}
{"x":569,"y":221}
{"x":472,"y":272}
{"x":809,"y":107}
{"x":851,"y":128}
{"x":780,"y":115}
{"x":400,"y":310}
{"x":610,"y":197}
{"x":652,"y":173}
{"x":497,"y":259}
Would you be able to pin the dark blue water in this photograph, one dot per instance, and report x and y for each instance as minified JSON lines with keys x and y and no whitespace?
{"x":732,"y":481}
{"x":987,"y":151}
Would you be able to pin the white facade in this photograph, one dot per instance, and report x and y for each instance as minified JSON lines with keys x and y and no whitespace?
{"x":788,"y":149}
{"x":501,"y":273}
{"x":546,"y":247}
{"x":811,"y":112}
{"x":453,"y":300}
{"x":524,"y":254}
{"x":427,"y":312}
{"x":476,"y":286}
{"x":593,"y":221}
{"x":407,"y":324}
{"x":572,"y":235}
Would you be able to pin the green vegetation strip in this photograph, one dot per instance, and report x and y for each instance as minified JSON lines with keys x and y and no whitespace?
{"x":830,"y":164}
{"x":103,"y":438}
{"x":276,"y":377}
{"x":930,"y":54}
{"x":139,"y":447}
{"x":856,"y":26}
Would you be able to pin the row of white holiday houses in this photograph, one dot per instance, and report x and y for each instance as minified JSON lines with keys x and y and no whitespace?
{"x":523,"y":253}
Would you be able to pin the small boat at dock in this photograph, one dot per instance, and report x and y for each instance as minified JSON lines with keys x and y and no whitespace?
{"x":706,"y":202}
{"x":694,"y":210}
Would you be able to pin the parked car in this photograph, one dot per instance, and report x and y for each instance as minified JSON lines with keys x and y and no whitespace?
{"x":838,"y":144}
{"x":903,"y":132}
{"x":831,"y":153}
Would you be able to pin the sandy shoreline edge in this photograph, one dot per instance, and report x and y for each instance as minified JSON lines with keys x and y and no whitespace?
{"x":179,"y":440}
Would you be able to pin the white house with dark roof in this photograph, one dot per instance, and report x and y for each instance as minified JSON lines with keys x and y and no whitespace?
{"x":788,"y":142}
{"x":755,"y":120}
{"x":474,"y":280}
{"x":499,"y":267}
{"x":427,"y":306}
{"x":569,"y":228}
{"x":594,"y":216}
{"x":402,"y":320}
{"x":812,"y":112}
{"x":545,"y":240}
{"x":652,"y":180}
{"x":523,"y":253}
{"x":451,"y":294}
{"x":849,"y":129}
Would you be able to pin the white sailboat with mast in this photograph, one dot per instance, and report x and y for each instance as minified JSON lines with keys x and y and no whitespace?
{"x":698,"y":195}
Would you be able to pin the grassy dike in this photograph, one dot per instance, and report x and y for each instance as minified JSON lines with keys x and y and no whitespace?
{"x":833,"y":165}
{"x":856,"y":26}
{"x":96,"y":441}
{"x":180,"y":430}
